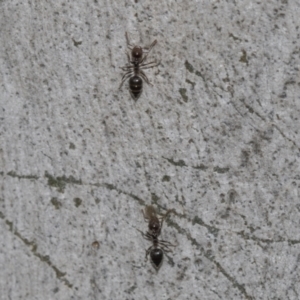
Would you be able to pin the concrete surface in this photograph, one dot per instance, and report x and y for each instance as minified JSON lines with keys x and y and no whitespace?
{"x":216,"y":138}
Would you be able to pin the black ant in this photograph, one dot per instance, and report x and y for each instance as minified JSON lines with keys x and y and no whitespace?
{"x":158,"y":248}
{"x":134,"y":67}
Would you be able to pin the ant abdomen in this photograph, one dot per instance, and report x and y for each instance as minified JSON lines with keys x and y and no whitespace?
{"x":135,"y":86}
{"x":156,"y":256}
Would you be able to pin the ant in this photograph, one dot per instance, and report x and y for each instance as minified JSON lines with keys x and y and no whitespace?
{"x":158,"y":248}
{"x":134,"y":67}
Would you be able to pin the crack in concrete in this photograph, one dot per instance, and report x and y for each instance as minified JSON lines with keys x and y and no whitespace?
{"x":33,"y":248}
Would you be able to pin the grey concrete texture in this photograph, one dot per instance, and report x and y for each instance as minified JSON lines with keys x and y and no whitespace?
{"x":216,"y":138}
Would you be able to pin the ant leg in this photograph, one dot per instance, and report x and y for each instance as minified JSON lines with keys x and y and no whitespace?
{"x":166,"y":249}
{"x":128,"y":57}
{"x":151,"y":46}
{"x":165,"y":215}
{"x":148,"y":252}
{"x":147,"y":65}
{"x":145,"y":218}
{"x":146,"y":236}
{"x":166,"y":244}
{"x":125,"y":77}
{"x":129,"y":72}
{"x":142,"y":233}
{"x":148,"y":51}
{"x":143,"y":75}
{"x":127,"y":40}
{"x":127,"y":68}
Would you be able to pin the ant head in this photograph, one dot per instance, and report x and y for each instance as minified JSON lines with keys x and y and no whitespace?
{"x":137,"y":53}
{"x":154,"y":227}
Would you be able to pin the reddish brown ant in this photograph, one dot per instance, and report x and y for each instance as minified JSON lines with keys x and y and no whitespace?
{"x":158,"y":248}
{"x":134,"y":67}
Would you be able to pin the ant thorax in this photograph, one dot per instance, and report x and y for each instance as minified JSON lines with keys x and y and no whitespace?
{"x":136,"y":55}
